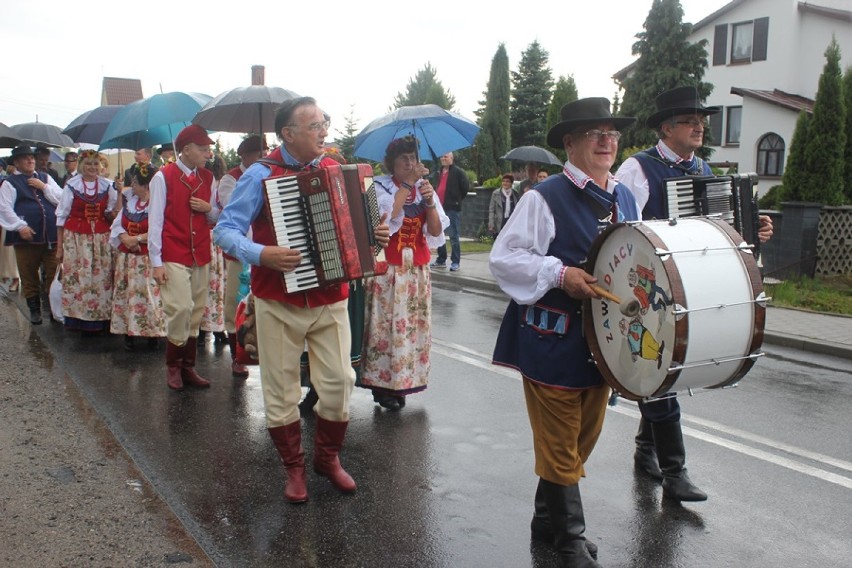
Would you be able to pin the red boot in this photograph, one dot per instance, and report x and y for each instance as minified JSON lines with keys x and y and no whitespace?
{"x":288,"y":442}
{"x":237,"y":369}
{"x":327,"y":445}
{"x":174,"y":360}
{"x":187,"y":371}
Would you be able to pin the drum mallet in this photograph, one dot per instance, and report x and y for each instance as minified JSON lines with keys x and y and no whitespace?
{"x":629,"y":309}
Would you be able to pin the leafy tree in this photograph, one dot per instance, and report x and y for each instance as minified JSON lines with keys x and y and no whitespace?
{"x":532,"y":85}
{"x":666,"y":60}
{"x":424,"y":89}
{"x":847,"y":97}
{"x":826,"y":142}
{"x":564,"y":93}
{"x":493,"y":117}
{"x":795,"y":179}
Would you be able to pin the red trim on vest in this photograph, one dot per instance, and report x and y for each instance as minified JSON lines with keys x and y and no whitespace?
{"x":269,"y":284}
{"x":186,"y":236}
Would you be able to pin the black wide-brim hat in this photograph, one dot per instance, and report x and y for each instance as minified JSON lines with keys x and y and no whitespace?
{"x":591,"y":111}
{"x":681,"y":100}
{"x":20,"y":151}
{"x":164,"y":147}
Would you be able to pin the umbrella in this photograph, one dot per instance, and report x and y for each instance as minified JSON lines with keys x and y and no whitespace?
{"x":90,"y":126}
{"x":154,"y":120}
{"x":8,"y":137}
{"x":532,"y":154}
{"x":437,"y":130}
{"x":42,"y":134}
{"x":244,"y":109}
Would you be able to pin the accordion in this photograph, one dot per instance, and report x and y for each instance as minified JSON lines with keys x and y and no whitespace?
{"x":328,"y":215}
{"x":732,"y":197}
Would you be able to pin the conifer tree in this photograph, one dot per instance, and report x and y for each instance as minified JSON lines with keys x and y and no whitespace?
{"x":564,"y":93}
{"x":532,"y":84}
{"x":424,"y":89}
{"x":493,"y":117}
{"x":666,"y":60}
{"x":826,"y":142}
{"x":794,"y":178}
{"x":847,"y":97}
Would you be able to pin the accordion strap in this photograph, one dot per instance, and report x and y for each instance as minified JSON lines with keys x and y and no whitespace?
{"x":696,"y":171}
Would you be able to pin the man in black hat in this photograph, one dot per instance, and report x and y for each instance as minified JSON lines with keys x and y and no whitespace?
{"x":538,"y":261}
{"x":680,"y":121}
{"x":28,"y":201}
{"x":166,"y":152}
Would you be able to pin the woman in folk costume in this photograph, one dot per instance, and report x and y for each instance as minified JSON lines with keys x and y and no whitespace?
{"x":83,"y":220}
{"x":213,"y":319}
{"x":137,"y":310}
{"x":398,"y":314}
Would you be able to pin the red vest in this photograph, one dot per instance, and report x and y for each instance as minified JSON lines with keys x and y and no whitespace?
{"x":269,"y":284}
{"x":186,"y":236}
{"x":236,"y":173}
{"x":134,"y":224}
{"x":410,"y":235}
{"x":87,"y":214}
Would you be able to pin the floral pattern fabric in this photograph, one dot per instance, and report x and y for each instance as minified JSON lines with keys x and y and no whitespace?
{"x":87,"y":276}
{"x":398,"y":334}
{"x":214,"y":311}
{"x":137,"y":309}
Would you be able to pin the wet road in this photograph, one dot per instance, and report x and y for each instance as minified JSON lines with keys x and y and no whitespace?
{"x":448,"y":482}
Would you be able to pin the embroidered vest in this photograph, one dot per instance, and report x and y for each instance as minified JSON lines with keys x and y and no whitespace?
{"x":134,"y":223}
{"x":269,"y":284}
{"x":87,"y":211}
{"x":33,"y":207}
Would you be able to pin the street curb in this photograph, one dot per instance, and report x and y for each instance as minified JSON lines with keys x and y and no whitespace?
{"x":456,"y":281}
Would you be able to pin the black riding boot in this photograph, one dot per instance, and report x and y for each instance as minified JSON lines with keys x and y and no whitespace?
{"x":540,"y":528}
{"x":645,"y":456}
{"x":672,"y":455}
{"x":34,"y":304}
{"x":566,"y":517}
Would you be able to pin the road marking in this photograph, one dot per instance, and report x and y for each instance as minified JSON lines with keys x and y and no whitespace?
{"x":628,"y":408}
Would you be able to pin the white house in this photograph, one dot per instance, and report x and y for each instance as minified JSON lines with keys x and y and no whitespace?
{"x":764,"y":61}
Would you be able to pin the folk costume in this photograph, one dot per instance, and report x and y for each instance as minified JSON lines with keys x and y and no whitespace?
{"x":285,"y":321}
{"x":541,"y":333}
{"x":137,"y":309}
{"x":398,"y":316}
{"x":660,"y":449}
{"x":87,"y":264}
{"x":22,"y":205}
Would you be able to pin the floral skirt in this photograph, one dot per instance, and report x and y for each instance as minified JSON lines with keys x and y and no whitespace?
{"x":214,"y":311}
{"x":398,"y":332}
{"x":86,"y":279}
{"x":136,"y":305}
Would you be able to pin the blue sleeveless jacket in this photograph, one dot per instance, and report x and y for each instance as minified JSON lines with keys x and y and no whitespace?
{"x":656,"y":169}
{"x":33,"y":207}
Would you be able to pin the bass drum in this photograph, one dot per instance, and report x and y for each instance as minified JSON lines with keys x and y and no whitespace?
{"x":692,"y":307}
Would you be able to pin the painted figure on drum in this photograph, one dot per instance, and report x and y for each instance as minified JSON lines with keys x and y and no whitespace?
{"x":646,"y":289}
{"x":641,"y":341}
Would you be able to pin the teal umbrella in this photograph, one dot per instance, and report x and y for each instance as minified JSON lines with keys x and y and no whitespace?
{"x":153,"y":120}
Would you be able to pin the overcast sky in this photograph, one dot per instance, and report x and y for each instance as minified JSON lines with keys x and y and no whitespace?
{"x":346,"y":54}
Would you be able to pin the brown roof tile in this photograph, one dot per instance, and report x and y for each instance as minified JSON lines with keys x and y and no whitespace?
{"x":118,"y":91}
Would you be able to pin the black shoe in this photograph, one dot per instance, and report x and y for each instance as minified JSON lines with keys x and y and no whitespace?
{"x":220,"y":337}
{"x":128,"y":343}
{"x":672,"y":456}
{"x":386,"y":401}
{"x":202,"y":337}
{"x":400,"y":400}
{"x":35,"y":310}
{"x":310,"y":400}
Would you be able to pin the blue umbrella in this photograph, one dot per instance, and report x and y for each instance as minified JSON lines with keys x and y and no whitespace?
{"x":154,"y":120}
{"x":438,"y":131}
{"x":90,"y":126}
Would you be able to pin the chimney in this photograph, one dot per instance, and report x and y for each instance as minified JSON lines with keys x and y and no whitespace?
{"x":257,"y":72}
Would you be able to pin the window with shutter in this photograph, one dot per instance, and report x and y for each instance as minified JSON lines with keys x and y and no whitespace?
{"x":720,"y":44}
{"x":715,"y":138}
{"x":761,"y":39}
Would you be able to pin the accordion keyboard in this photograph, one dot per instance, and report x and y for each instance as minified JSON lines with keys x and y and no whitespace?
{"x":291,"y":230}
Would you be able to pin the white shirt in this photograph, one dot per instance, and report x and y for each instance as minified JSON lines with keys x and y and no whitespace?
{"x":227,"y":185}
{"x":519,"y":260}
{"x":10,"y":220}
{"x":630,"y":173}
{"x":157,"y":210}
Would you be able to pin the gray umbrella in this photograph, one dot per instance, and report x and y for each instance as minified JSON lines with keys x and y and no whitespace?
{"x":42,"y":134}
{"x":90,"y":126}
{"x":532,"y":154}
{"x":8,"y":137}
{"x":243,"y":109}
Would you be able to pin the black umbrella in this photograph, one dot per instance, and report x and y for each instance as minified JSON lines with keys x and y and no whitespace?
{"x":42,"y":134}
{"x":90,"y":126}
{"x":532,"y":154}
{"x":243,"y":109}
{"x":8,"y":137}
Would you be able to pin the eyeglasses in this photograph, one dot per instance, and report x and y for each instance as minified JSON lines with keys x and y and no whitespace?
{"x":693,"y":123}
{"x":69,"y":160}
{"x":595,"y":135}
{"x":314,"y":126}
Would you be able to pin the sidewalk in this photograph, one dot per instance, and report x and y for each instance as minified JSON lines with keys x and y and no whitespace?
{"x":808,"y":331}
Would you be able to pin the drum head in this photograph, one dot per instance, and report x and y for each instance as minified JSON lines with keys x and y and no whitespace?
{"x":632,"y":343}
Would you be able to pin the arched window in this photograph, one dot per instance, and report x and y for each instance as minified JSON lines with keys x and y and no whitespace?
{"x":770,"y":155}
